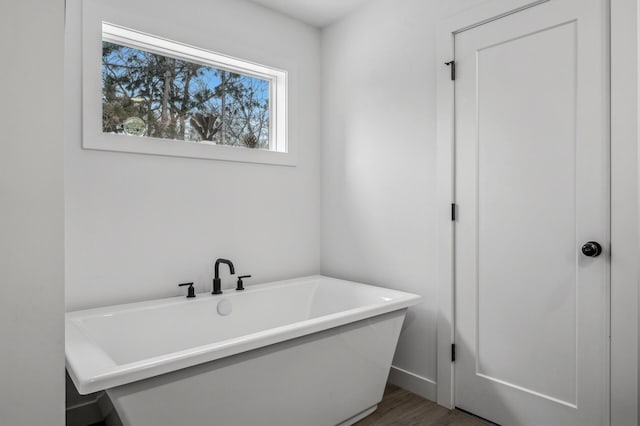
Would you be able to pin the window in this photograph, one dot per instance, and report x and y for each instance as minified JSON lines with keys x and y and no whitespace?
{"x":163,"y":97}
{"x":145,"y":94}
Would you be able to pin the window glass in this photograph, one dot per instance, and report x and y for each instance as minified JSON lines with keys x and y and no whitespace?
{"x":145,"y":94}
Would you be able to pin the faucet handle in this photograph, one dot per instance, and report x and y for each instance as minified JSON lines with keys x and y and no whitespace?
{"x":240,"y":286}
{"x":190,"y":291}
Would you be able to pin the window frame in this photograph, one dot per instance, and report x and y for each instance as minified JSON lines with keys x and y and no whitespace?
{"x":280,"y":150}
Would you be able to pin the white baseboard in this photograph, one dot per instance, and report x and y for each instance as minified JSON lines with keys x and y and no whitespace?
{"x":412,"y":382}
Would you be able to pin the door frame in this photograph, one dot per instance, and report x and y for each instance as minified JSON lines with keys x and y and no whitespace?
{"x":623,"y":25}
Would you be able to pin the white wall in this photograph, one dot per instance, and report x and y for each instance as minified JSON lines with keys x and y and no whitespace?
{"x":378,"y":161}
{"x":31,"y":213}
{"x":137,"y":225}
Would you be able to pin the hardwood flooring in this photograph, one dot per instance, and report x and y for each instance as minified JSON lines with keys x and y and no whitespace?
{"x":403,"y":408}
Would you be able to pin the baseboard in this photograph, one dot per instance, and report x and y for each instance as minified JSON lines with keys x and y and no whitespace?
{"x":412,"y":382}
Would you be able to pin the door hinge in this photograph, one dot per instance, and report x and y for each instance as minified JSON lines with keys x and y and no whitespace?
{"x":453,"y":352}
{"x":454,"y":209}
{"x":452,"y":64}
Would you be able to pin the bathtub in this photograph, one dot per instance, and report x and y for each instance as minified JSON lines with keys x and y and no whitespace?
{"x":303,"y":352}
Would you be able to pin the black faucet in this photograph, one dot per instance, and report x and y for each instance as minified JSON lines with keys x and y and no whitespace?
{"x":216,"y":278}
{"x":190,"y":292}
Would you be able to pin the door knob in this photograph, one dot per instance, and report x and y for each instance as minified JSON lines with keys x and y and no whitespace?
{"x":592,"y":249}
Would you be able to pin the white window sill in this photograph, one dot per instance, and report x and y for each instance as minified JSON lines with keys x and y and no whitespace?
{"x":176,"y":148}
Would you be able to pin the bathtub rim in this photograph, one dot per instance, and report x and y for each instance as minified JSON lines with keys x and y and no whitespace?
{"x":92,"y":370}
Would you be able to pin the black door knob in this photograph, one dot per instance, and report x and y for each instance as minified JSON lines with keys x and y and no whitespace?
{"x":592,"y":249}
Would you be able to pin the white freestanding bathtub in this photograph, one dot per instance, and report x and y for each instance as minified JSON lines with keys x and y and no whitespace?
{"x":304,"y":352}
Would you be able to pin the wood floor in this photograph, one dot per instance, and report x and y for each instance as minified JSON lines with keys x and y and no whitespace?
{"x":403,"y":408}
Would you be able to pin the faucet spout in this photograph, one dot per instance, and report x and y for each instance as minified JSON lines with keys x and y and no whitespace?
{"x":216,"y":279}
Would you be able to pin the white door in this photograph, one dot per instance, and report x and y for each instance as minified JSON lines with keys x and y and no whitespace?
{"x":532,"y":187}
